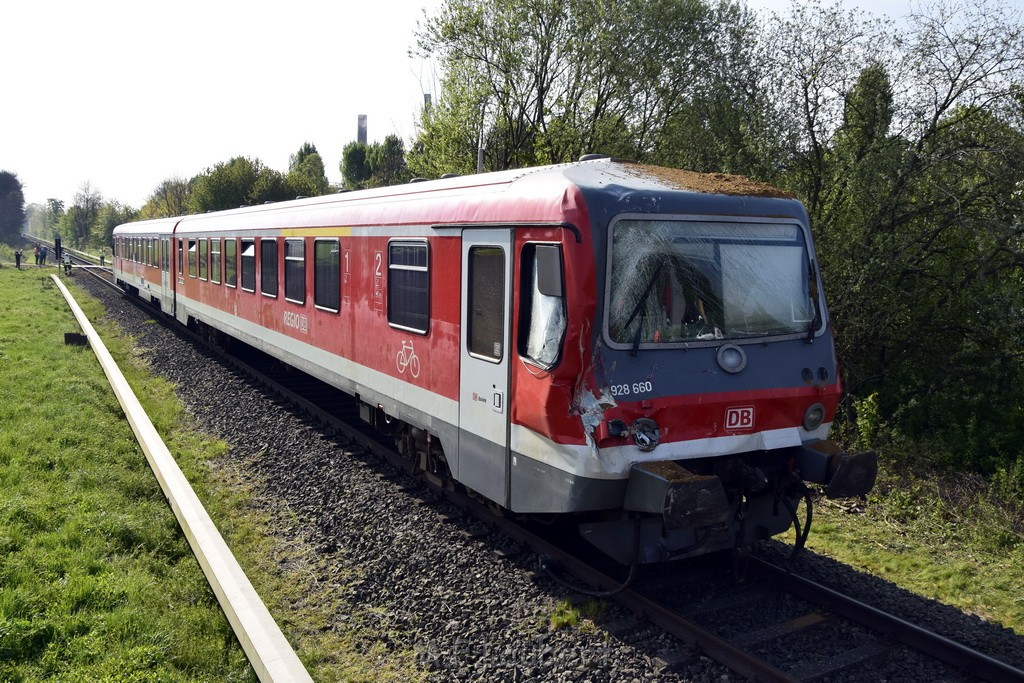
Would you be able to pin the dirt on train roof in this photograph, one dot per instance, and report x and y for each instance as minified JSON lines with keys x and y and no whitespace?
{"x":710,"y":183}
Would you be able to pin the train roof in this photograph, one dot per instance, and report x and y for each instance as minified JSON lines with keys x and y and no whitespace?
{"x":148,"y":227}
{"x":563,"y":193}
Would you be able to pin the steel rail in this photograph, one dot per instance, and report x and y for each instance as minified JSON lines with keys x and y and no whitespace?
{"x":934,"y":645}
{"x":268,"y":651}
{"x":721,"y":650}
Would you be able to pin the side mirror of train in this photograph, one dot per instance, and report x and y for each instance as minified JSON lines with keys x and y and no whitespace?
{"x":549,"y":269}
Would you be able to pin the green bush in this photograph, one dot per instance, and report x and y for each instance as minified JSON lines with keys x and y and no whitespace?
{"x":1007,"y":485}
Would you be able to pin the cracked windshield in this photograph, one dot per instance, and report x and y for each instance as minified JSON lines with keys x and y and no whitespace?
{"x":676,"y":281}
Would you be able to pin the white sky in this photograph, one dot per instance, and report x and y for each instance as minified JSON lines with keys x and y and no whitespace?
{"x":126,"y":93}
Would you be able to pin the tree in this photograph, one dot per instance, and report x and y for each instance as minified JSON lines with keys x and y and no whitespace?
{"x":727,"y":122}
{"x":816,"y":55}
{"x":54,"y":212}
{"x":306,"y":176}
{"x":12,"y":206}
{"x":375,"y":165}
{"x":502,"y":58}
{"x":545,"y":81}
{"x":306,"y":149}
{"x":386,"y":162}
{"x":911,"y":161}
{"x":237,"y":182}
{"x":35,"y":219}
{"x":450,"y":129}
{"x":111,"y":215}
{"x":355,"y":170}
{"x":170,"y":198}
{"x":270,"y":186}
{"x":78,"y":221}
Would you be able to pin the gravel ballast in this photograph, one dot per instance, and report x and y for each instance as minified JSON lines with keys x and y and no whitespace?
{"x":468,"y":611}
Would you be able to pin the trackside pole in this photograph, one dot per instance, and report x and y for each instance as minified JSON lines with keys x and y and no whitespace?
{"x":269,"y":653}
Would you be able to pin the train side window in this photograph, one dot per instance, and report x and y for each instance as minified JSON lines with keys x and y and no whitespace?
{"x":295,"y":270}
{"x":409,"y":286}
{"x":165,"y":254}
{"x":249,"y":265}
{"x":486,"y":303}
{"x":230,"y":262}
{"x":151,"y":251}
{"x":193,"y":253}
{"x":327,"y":275}
{"x":204,"y":249}
{"x":542,"y":315}
{"x":215,"y":260}
{"x":181,"y":256}
{"x":268,"y":266}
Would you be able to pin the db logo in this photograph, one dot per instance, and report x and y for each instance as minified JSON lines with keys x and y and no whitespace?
{"x":741,"y":417}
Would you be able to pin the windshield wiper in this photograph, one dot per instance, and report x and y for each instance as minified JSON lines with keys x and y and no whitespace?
{"x":812,"y":285}
{"x":639,"y":306}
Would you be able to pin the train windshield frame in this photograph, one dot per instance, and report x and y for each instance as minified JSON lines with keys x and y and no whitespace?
{"x":683,"y":281}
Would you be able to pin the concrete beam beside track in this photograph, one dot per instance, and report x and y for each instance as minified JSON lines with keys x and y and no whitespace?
{"x":269,"y":653}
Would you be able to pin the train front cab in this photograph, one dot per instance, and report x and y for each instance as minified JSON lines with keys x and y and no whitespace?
{"x":719,"y":383}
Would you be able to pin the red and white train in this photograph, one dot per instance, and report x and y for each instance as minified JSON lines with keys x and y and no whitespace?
{"x":645,"y":349}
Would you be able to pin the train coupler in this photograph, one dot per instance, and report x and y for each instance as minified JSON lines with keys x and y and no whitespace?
{"x":843,"y":474}
{"x":684,"y":500}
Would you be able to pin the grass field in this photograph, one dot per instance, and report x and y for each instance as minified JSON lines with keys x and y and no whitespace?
{"x":97,"y":583}
{"x":934,"y":538}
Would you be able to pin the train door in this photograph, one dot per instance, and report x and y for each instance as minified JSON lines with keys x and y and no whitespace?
{"x":484,"y":367}
{"x":166,"y":298}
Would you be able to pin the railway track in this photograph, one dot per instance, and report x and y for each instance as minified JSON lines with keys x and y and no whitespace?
{"x":803,"y":632}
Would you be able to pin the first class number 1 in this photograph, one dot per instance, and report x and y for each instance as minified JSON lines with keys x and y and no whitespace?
{"x":634,"y":388}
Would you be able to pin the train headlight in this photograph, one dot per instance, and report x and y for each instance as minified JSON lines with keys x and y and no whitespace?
{"x":813,"y":417}
{"x":731,"y":358}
